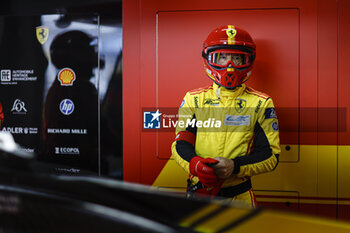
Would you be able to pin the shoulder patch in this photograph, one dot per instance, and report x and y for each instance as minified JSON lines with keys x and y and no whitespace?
{"x":270,"y":113}
{"x":275,"y":126}
{"x":182,"y":103}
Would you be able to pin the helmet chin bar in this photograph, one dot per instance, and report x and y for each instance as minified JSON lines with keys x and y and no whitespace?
{"x":222,"y":77}
{"x":229,"y":88}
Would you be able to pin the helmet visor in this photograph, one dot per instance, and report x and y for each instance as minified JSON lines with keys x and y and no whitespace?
{"x":224,"y":57}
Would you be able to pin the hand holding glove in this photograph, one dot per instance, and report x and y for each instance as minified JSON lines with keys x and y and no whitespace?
{"x":200,"y":167}
{"x":224,"y":167}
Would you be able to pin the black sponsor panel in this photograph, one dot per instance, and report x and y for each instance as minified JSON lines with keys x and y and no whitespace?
{"x":70,"y":113}
{"x":46,"y":88}
{"x":22,"y":77}
{"x":60,"y":89}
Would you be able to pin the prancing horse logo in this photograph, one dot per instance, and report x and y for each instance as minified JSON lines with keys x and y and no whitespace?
{"x":231,"y":33}
{"x":42,"y":33}
{"x":240,"y":105}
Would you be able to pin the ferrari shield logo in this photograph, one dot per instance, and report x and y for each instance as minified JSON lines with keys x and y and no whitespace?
{"x":42,"y":33}
{"x":240,"y":105}
{"x":231,"y":33}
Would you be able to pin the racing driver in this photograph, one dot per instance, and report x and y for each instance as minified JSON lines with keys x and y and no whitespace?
{"x":221,"y":159}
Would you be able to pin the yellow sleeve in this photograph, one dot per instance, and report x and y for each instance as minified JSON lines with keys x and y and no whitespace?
{"x":186,"y":113}
{"x":264,"y":157}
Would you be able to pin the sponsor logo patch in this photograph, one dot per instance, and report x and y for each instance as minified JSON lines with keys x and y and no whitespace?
{"x":270,"y":113}
{"x":42,"y":33}
{"x":231,"y":33}
{"x":67,"y":150}
{"x":196,"y":102}
{"x":237,"y":120}
{"x":66,"y":131}
{"x":66,"y":107}
{"x":5,"y":75}
{"x":12,"y":77}
{"x":18,"y":107}
{"x":258,"y":106}
{"x":21,"y":130}
{"x":240,"y":104}
{"x":66,"y":76}
{"x":212,"y":102}
{"x":182,"y":103}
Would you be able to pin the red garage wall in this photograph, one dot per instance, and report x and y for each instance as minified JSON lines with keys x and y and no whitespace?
{"x":165,"y":39}
{"x":301,"y":62}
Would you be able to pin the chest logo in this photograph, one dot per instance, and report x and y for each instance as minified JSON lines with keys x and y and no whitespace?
{"x":212,"y":102}
{"x":240,"y":104}
{"x":237,"y":120}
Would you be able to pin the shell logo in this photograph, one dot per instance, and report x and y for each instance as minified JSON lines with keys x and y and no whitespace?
{"x":66,"y":76}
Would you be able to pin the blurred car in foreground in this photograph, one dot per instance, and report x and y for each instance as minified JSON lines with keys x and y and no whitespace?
{"x":33,"y":198}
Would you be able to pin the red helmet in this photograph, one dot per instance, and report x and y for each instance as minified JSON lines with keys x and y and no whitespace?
{"x":228,"y":53}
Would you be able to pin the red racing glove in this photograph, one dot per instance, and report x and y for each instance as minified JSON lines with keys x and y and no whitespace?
{"x":200,"y":167}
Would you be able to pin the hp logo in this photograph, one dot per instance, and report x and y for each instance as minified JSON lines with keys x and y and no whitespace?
{"x":66,"y":107}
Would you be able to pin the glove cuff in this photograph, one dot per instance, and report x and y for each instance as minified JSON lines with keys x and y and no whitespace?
{"x":193,"y":163}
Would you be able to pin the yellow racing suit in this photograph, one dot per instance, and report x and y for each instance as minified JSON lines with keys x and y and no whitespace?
{"x":239,"y":124}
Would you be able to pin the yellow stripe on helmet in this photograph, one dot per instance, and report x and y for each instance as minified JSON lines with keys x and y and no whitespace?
{"x":231,"y":34}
